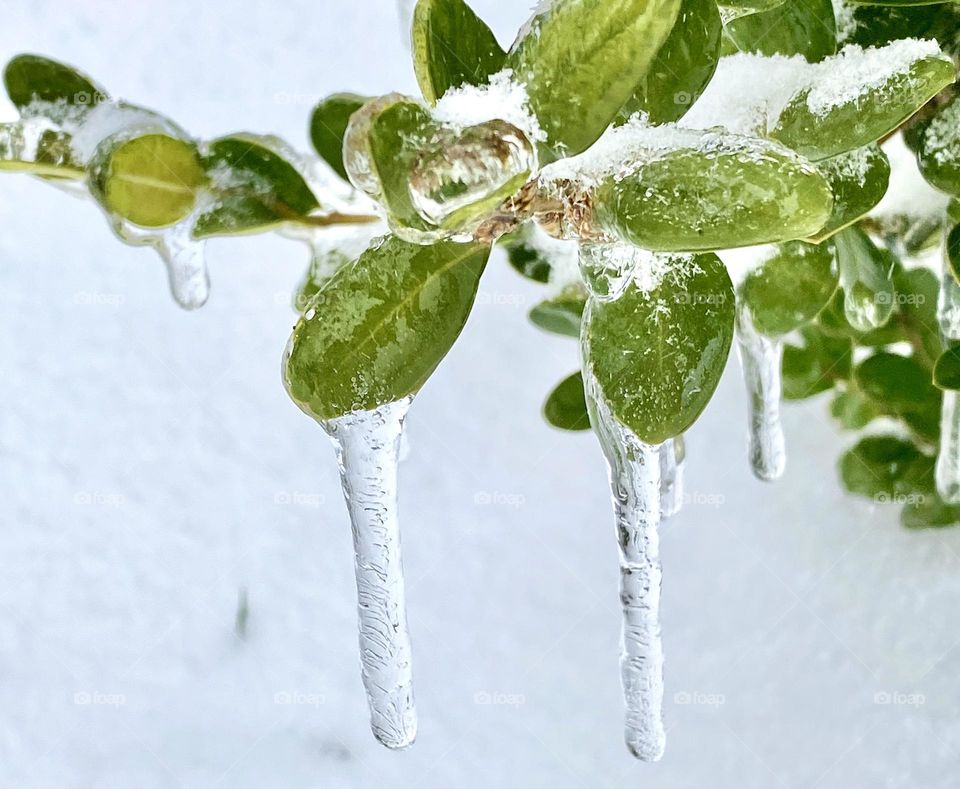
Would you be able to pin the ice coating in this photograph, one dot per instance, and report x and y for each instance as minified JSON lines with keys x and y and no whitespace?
{"x":635,"y":484}
{"x":948,"y":305}
{"x":672,"y":453}
{"x":947,"y":472}
{"x":775,"y":80}
{"x":760,"y":358}
{"x":368,"y":447}
{"x":608,"y":268}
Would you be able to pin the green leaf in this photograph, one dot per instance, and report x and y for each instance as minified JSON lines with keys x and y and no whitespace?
{"x":738,"y":7}
{"x":866,"y":276}
{"x":853,"y":409}
{"x":255,"y":188}
{"x":816,"y":365}
{"x":581,"y":61}
{"x":901,"y":386}
{"x":561,"y":315}
{"x":151,"y":181}
{"x":897,"y":3}
{"x":874,"y":25}
{"x":730,"y":192}
{"x":452,"y":46}
{"x":929,"y":512}
{"x":566,"y":406}
{"x":795,"y":27}
{"x":788,"y":289}
{"x":953,"y":252}
{"x":328,"y":127}
{"x":657,"y":356}
{"x":823,"y":121}
{"x":858,"y":180}
{"x":683,"y":66}
{"x":526,"y":259}
{"x":946,"y":373}
{"x":916,"y":294}
{"x":938,"y":148}
{"x":379,"y":327}
{"x":30,"y":78}
{"x":885,"y":468}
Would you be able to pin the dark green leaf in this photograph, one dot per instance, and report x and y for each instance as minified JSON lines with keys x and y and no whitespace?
{"x":658,"y":356}
{"x":380,"y":326}
{"x":795,"y":27}
{"x":581,"y":62}
{"x":946,"y":373}
{"x":683,"y":66}
{"x":863,"y":117}
{"x":738,"y":192}
{"x":953,"y":252}
{"x":566,"y":406}
{"x":328,"y":127}
{"x":560,"y":315}
{"x":814,"y":366}
{"x":885,"y":468}
{"x":31,"y":78}
{"x":452,"y":46}
{"x":788,"y":289}
{"x":858,"y":180}
{"x":525,"y":258}
{"x":901,"y":386}
{"x":929,"y":512}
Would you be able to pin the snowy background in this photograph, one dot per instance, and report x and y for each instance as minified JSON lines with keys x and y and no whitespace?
{"x":152,"y":466}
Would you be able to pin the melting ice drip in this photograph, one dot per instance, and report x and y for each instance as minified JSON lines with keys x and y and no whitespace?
{"x":672,"y":454}
{"x":368,"y":448}
{"x":760,"y":358}
{"x":635,"y":482}
{"x":948,"y":458}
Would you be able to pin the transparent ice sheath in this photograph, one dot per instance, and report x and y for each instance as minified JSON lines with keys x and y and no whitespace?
{"x":760,"y":358}
{"x":368,"y":448}
{"x":671,"y":476}
{"x":948,"y":458}
{"x":635,"y":484}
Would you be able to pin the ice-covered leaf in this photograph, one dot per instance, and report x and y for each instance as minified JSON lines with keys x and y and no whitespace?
{"x":34,"y":78}
{"x":938,"y":148}
{"x":853,"y":409}
{"x":560,"y":315}
{"x":901,"y":386}
{"x":581,"y":61}
{"x":682,"y":190}
{"x":452,"y":46}
{"x":790,"y":287}
{"x":682,"y":67}
{"x":815,"y":365}
{"x":946,"y":373}
{"x":929,"y":512}
{"x":152,"y":181}
{"x":953,"y":252}
{"x":861,"y":95}
{"x":566,"y":405}
{"x":794,"y":27}
{"x":738,"y":7}
{"x":43,"y":152}
{"x":328,"y":127}
{"x":876,"y":25}
{"x":885,"y":467}
{"x":866,"y":276}
{"x":254,"y":188}
{"x":858,"y":180}
{"x":658,"y":354}
{"x":381,"y":325}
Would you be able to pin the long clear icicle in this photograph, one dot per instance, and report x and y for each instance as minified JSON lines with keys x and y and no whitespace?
{"x":672,"y":454}
{"x":635,"y":484}
{"x":368,"y":447}
{"x":760,"y":359}
{"x":947,"y":472}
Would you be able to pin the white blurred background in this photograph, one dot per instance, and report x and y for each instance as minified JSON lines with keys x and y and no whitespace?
{"x":152,"y":466}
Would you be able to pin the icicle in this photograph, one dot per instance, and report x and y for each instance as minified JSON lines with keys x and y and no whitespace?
{"x":760,"y":358}
{"x":671,"y":476}
{"x":948,"y":458}
{"x":368,"y":445}
{"x":635,"y":484}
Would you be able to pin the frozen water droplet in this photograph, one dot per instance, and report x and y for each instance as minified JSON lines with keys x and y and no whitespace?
{"x":948,"y":304}
{"x":636,"y":486}
{"x":605,"y":270}
{"x":470,"y":167}
{"x":948,"y":458}
{"x":368,"y":447}
{"x":356,"y":150}
{"x":671,"y":476}
{"x":760,"y":358}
